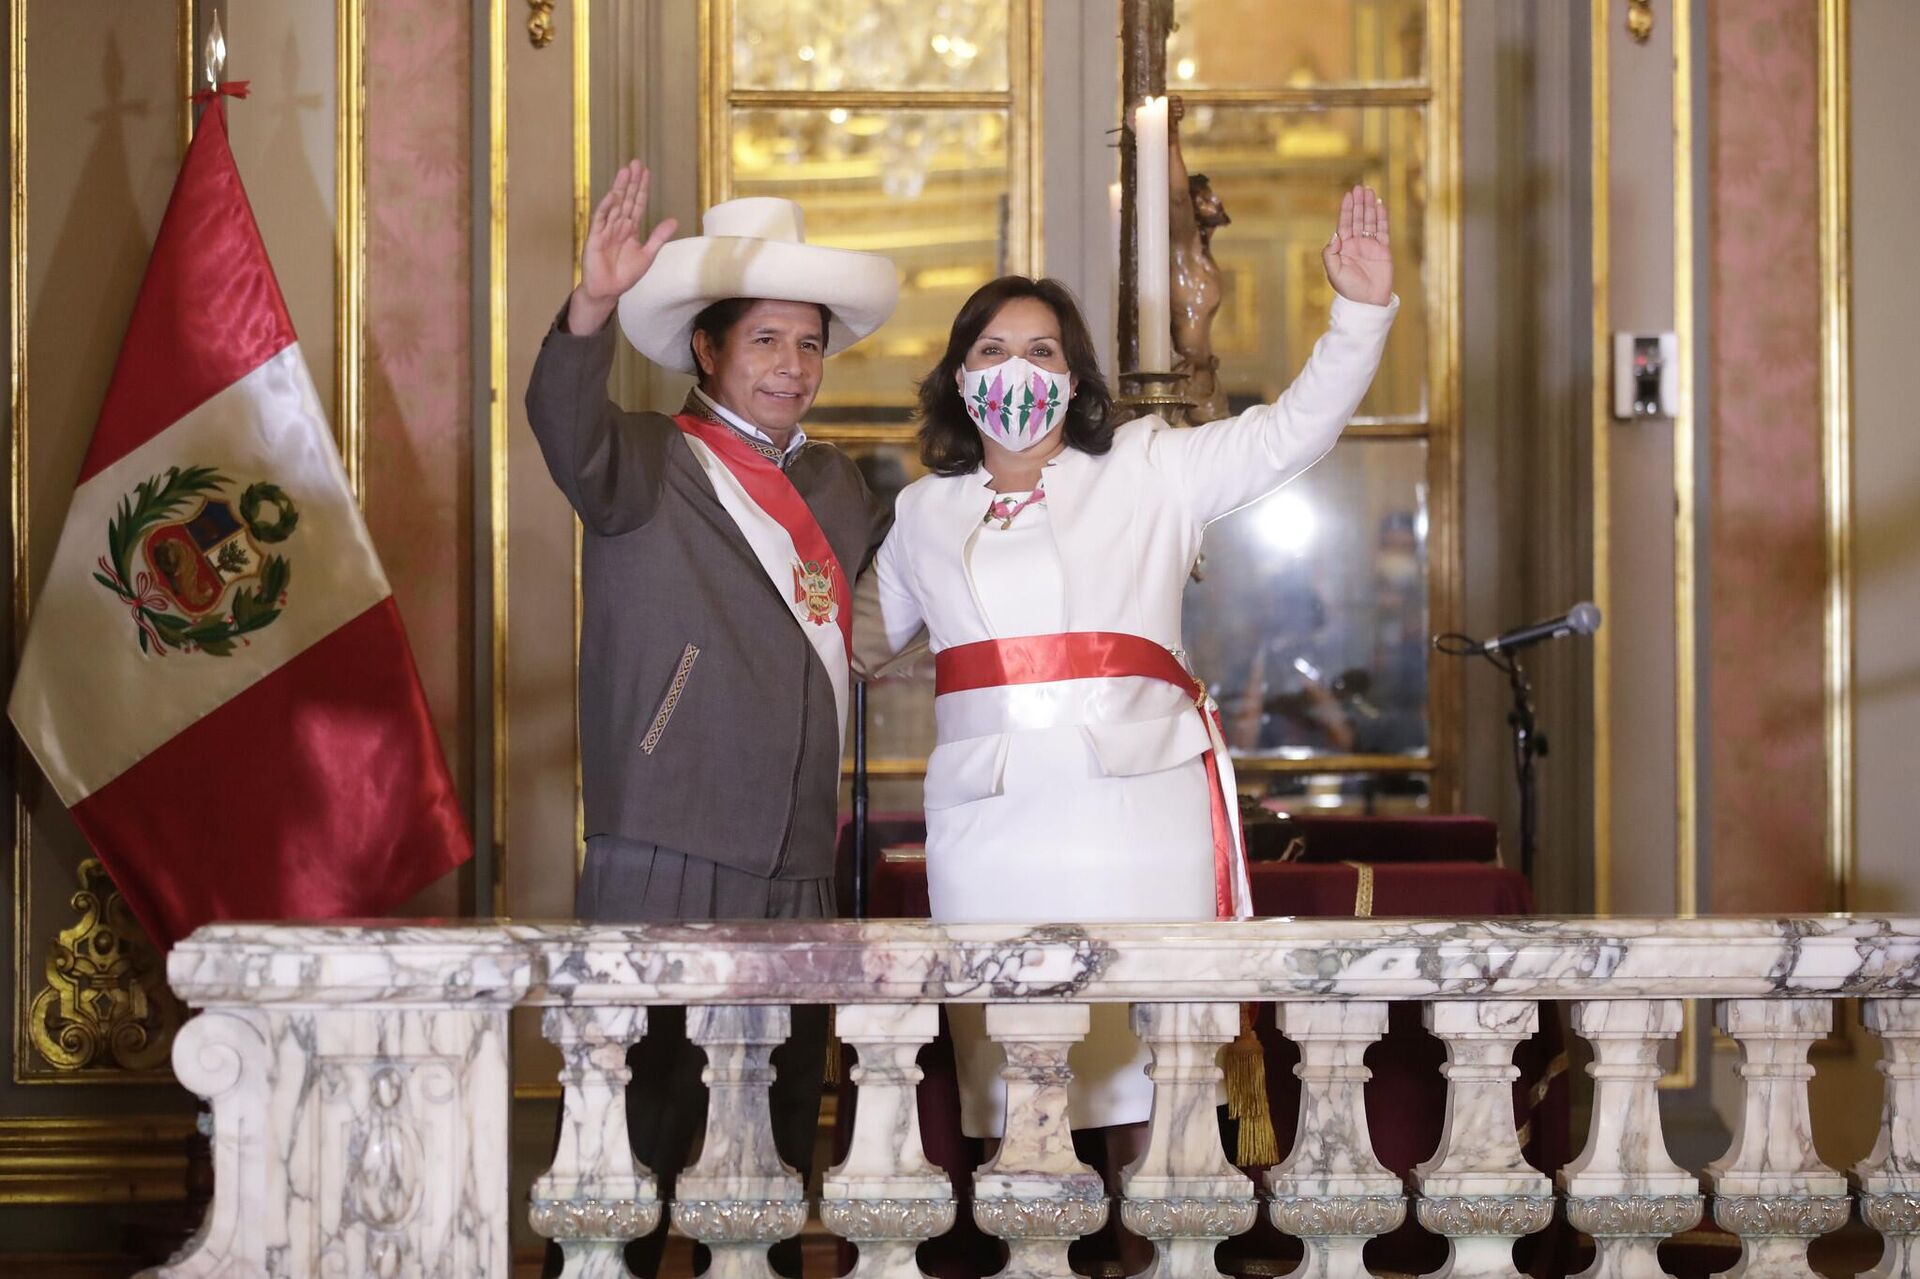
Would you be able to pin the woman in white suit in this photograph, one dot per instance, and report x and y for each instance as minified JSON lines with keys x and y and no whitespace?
{"x":1078,"y":773}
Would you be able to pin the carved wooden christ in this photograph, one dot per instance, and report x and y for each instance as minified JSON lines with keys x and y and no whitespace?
{"x":1195,"y":212}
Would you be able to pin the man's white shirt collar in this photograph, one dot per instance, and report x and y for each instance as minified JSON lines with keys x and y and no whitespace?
{"x":738,"y":423}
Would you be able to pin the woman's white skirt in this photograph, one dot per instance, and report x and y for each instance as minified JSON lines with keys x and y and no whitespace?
{"x":1066,"y":843}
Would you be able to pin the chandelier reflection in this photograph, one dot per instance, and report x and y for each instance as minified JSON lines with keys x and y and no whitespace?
{"x":860,"y":46}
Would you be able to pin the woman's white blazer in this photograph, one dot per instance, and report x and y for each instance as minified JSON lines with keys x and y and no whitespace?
{"x":1128,"y":524}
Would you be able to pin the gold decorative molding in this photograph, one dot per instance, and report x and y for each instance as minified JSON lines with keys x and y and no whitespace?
{"x":1686,"y":533}
{"x":1025,"y":134}
{"x":1686,"y":522}
{"x":1388,"y":93}
{"x":1640,"y":18}
{"x":97,"y":1159}
{"x":18,"y":498}
{"x":497,"y":431}
{"x":106,"y":1004}
{"x":1445,"y":237}
{"x":1836,"y":437}
{"x":1600,"y":180}
{"x":540,"y":22}
{"x":867,"y":99}
{"x":184,"y":86}
{"x":582,"y":222}
{"x":350,"y":241}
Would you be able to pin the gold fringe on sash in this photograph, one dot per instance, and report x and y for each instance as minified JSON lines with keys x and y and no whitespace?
{"x":1245,"y":1065}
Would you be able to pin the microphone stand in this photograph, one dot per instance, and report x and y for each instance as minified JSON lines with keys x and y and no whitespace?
{"x":1529,"y":743}
{"x":860,"y":818}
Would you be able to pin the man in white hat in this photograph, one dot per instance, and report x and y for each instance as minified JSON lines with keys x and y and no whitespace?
{"x":717,"y":571}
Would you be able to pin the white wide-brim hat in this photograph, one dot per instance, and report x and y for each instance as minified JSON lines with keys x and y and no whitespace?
{"x":753,"y":248}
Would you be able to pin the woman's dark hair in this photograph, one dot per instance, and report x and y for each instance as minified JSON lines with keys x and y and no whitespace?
{"x":949,"y":442}
{"x":718,"y":319}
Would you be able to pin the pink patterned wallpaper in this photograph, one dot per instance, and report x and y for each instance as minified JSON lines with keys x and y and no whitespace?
{"x":1766,"y":539}
{"x":419,"y":437}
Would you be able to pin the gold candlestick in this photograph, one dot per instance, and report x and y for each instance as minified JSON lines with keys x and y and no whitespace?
{"x":1144,"y":393}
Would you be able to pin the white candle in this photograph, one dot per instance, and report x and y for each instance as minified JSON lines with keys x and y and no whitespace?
{"x":1155,"y":276}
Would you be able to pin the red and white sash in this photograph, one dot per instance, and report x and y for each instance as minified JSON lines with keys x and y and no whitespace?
{"x":787,"y":541}
{"x":1030,"y":662}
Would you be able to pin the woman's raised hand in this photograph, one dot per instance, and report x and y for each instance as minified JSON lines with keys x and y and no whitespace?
{"x":1359,"y":259}
{"x":615,"y":256}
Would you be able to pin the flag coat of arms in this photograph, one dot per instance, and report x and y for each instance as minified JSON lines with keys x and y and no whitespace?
{"x":215,"y":680}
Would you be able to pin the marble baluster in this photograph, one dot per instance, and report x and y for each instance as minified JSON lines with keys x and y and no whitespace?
{"x":371,"y":1141}
{"x":1034,"y":1193}
{"x":595,"y":1197}
{"x":739,"y":1197}
{"x":1770,"y":1188}
{"x":1623,"y":1189}
{"x":1889,"y":1178}
{"x":1478,"y":1189}
{"x":1183,"y":1193}
{"x":223,"y":1056}
{"x":885,"y":1196}
{"x":1331,"y":1191}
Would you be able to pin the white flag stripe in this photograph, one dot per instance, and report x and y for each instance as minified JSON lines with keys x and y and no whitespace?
{"x":83,"y":664}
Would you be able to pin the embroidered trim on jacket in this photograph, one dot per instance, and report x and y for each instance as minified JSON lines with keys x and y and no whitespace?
{"x":672,"y":699}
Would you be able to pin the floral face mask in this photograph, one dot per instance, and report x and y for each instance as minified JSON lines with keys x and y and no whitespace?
{"x":1015,"y":403}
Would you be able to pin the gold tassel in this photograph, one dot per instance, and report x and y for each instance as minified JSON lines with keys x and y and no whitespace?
{"x":1246,"y":1069}
{"x":833,"y":1048}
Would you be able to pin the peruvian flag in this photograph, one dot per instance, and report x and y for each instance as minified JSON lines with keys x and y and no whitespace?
{"x":215,"y":680}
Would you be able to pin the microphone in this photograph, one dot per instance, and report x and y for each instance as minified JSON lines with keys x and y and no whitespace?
{"x":1582,"y":619}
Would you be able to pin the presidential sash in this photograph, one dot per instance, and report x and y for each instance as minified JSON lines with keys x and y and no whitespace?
{"x":788,"y":542}
{"x":1035,"y":660}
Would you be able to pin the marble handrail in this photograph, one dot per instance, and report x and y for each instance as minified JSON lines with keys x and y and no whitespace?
{"x":360,"y":1082}
{"x":906,"y":961}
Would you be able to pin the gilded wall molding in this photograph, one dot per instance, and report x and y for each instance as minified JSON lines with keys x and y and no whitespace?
{"x":1600,"y":179}
{"x":497,"y":444}
{"x":1686,"y":534}
{"x":105,"y":1005}
{"x":97,"y":1159}
{"x":540,"y":22}
{"x":100,"y":1159}
{"x":1836,"y":409}
{"x":350,"y":241}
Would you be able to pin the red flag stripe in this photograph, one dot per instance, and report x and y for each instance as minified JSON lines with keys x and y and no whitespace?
{"x":319,"y":789}
{"x":209,"y":311}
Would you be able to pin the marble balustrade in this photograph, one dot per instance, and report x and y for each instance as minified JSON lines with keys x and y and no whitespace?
{"x":360,"y":1083}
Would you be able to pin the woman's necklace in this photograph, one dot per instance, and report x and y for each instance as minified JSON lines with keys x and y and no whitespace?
{"x":1005,"y":508}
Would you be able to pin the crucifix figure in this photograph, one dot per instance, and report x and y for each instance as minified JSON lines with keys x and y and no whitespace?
{"x":1196,"y":213}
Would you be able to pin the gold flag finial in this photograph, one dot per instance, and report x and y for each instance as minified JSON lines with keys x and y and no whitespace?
{"x":216,"y":52}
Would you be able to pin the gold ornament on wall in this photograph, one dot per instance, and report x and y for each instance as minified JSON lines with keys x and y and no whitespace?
{"x":1640,"y":20}
{"x":540,"y":23}
{"x":106,"y":1004}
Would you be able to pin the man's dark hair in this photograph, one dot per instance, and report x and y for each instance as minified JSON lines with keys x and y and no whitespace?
{"x":949,"y":442}
{"x":718,"y":319}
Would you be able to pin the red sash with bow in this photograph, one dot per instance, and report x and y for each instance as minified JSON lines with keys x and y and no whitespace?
{"x":1046,"y":659}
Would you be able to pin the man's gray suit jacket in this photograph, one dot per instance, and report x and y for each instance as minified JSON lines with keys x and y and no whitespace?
{"x":707,"y":722}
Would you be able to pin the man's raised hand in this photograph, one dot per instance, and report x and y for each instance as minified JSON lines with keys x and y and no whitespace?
{"x":615,"y":256}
